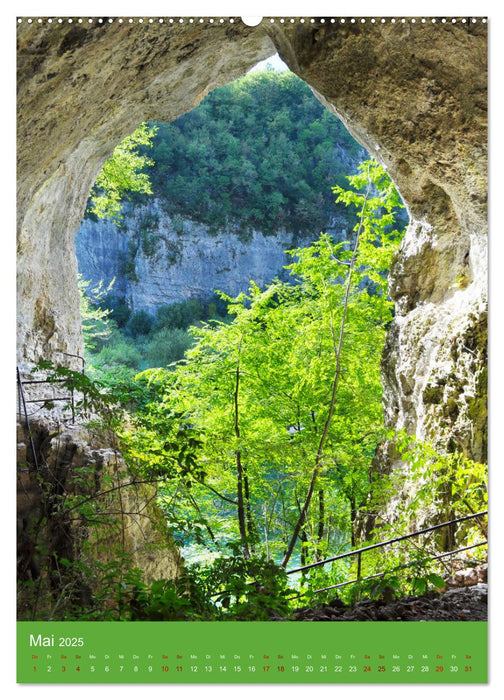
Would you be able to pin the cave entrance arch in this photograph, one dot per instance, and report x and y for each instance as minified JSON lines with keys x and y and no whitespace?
{"x":413,"y":93}
{"x":236,"y":182}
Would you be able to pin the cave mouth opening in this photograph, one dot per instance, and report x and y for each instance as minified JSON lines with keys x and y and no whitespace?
{"x":236,"y":182}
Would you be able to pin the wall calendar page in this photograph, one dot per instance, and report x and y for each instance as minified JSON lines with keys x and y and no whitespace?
{"x":252,"y":350}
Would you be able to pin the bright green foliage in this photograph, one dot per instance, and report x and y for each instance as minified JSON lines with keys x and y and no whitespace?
{"x":450,"y":485}
{"x":178,"y":315}
{"x":441,"y":488}
{"x":91,"y":395}
{"x":244,"y":589}
{"x":139,"y":324}
{"x":260,"y":440}
{"x":122,"y":174}
{"x":118,"y":353}
{"x":104,"y":346}
{"x":96,"y":326}
{"x":255,"y":393}
{"x":136,"y":341}
{"x":164,"y":600}
{"x":167,"y":345}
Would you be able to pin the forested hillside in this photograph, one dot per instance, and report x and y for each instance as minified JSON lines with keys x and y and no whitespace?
{"x":216,"y":199}
{"x":261,"y":151}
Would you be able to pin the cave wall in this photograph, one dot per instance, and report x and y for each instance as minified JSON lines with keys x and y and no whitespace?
{"x":413,"y":93}
{"x":77,"y":503}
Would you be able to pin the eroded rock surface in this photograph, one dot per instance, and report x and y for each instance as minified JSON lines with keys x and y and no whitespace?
{"x":77,"y":503}
{"x":415,"y":97}
{"x":82,"y":89}
{"x":157,"y":259}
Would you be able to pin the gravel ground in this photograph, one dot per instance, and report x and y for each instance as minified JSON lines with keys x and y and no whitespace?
{"x":455,"y":604}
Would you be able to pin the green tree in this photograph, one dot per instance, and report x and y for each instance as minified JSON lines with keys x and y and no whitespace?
{"x":352,"y":314}
{"x":140,"y":323}
{"x":166,"y":346}
{"x":96,"y":327}
{"x":122,"y":174}
{"x":283,"y":401}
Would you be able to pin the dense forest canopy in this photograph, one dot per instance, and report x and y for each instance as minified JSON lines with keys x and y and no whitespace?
{"x":261,"y":152}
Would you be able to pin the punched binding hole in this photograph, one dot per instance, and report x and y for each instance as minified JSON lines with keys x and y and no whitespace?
{"x":251,"y":21}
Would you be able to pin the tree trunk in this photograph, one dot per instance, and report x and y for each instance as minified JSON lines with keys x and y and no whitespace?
{"x":239,"y":466}
{"x":332,"y":404}
{"x":353,"y":517}
{"x":252,"y":533}
{"x":321,"y":524}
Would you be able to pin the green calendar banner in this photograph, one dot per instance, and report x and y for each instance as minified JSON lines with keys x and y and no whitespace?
{"x":252,"y":652}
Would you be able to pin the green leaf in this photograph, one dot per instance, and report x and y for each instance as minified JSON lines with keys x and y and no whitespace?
{"x":436,"y":580}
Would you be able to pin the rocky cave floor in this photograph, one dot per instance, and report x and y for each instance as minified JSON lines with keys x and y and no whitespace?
{"x":456,"y":604}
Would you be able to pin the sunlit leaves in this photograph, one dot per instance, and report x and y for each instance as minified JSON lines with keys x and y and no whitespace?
{"x":259,"y":385}
{"x":95,"y":323}
{"x":122,"y":174}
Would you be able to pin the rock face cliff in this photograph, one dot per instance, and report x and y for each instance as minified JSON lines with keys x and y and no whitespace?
{"x":413,"y":93}
{"x":158,"y":259}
